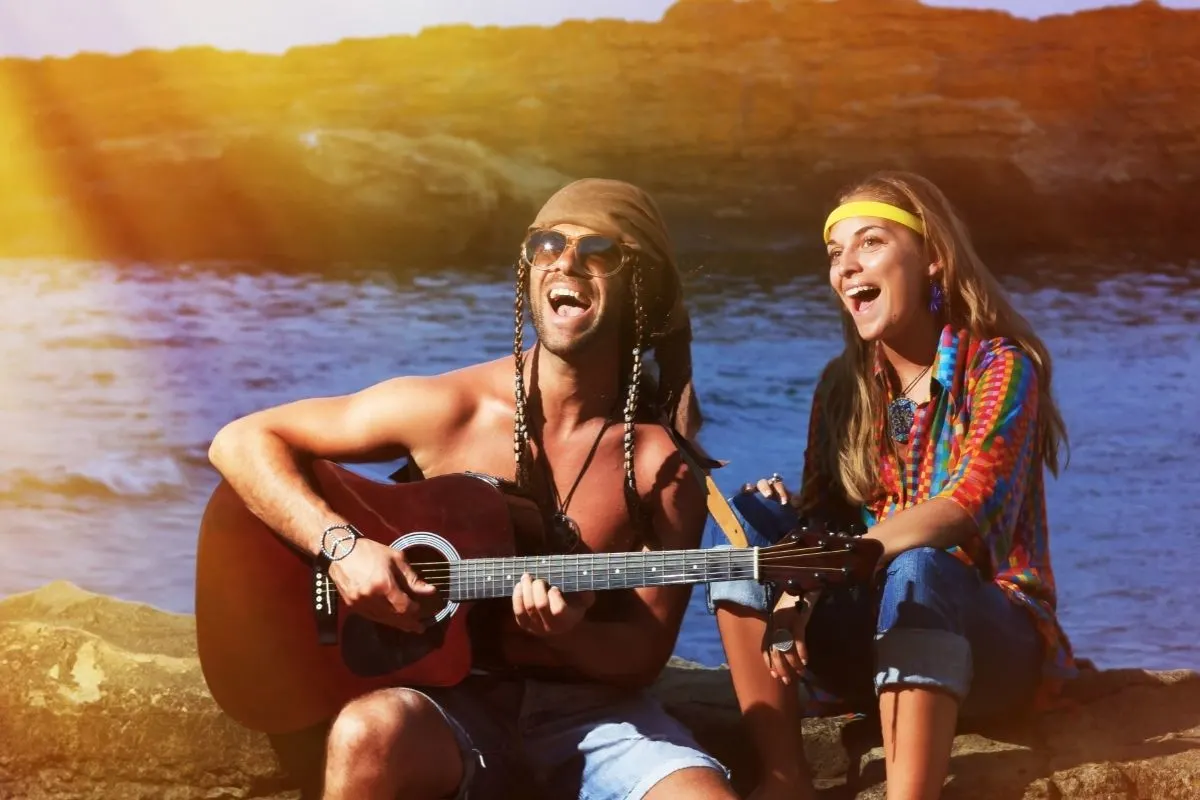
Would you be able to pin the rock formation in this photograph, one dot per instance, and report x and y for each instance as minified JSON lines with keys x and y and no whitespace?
{"x":1077,"y":132}
{"x":104,"y":699}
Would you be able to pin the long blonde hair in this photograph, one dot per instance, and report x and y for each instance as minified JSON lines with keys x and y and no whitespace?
{"x":852,"y":400}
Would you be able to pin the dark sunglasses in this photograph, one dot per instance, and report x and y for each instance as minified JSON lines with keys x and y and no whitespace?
{"x":598,"y":256}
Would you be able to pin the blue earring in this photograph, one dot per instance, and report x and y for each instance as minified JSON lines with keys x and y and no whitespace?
{"x":937,"y":296}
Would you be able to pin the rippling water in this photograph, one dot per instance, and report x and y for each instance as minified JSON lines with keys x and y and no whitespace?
{"x":114,"y":380}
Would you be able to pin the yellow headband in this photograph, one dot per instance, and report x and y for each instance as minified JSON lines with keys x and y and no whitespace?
{"x":871,"y":208}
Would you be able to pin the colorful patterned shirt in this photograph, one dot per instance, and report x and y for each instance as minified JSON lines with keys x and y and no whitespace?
{"x":976,"y":443}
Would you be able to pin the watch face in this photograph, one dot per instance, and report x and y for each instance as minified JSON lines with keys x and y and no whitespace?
{"x":338,"y":541}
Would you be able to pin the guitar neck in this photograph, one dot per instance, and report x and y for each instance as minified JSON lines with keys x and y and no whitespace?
{"x":483,"y":578}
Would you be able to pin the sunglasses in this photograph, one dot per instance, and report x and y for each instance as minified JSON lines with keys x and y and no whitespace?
{"x":598,"y":256}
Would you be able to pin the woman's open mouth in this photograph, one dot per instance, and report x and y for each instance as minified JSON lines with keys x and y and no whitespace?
{"x":862,"y":297}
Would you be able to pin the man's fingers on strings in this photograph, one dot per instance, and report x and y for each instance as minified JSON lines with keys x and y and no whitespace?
{"x":557,"y":602}
{"x":541,"y":602}
{"x":520,"y":612}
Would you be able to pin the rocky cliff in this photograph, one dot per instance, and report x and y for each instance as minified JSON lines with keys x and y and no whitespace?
{"x":1076,"y":132}
{"x":104,"y":699}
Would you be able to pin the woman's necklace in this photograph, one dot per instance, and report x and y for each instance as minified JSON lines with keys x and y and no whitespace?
{"x":564,"y":529}
{"x":901,"y":411}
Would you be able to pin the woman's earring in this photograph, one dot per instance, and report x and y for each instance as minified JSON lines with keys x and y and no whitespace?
{"x":936,"y":298}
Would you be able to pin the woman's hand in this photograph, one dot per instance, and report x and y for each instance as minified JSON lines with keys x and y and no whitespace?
{"x":786,"y":655}
{"x":773,"y":488}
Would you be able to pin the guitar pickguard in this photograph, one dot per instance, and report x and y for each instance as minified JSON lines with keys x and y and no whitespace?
{"x":371,"y":650}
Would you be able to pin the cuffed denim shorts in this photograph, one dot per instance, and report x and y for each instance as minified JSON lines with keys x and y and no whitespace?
{"x":568,"y":739}
{"x":931,"y":621}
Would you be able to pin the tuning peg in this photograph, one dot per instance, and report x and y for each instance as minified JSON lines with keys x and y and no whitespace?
{"x":858,"y":529}
{"x":802,"y":523}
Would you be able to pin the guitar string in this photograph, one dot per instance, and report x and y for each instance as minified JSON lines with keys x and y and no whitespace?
{"x":790,"y":550}
{"x":560,"y":568}
{"x":448,"y":583}
{"x":721,"y":569}
{"x":765,"y":556}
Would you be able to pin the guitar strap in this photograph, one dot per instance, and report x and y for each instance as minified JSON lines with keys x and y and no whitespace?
{"x":718,"y":506}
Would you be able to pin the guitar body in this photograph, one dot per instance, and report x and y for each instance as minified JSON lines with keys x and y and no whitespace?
{"x":255,"y":624}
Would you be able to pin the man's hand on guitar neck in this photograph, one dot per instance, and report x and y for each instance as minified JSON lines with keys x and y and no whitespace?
{"x":377,"y":582}
{"x":545,"y":611}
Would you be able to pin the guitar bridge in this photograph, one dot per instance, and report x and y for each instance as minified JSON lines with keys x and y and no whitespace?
{"x":324,"y":603}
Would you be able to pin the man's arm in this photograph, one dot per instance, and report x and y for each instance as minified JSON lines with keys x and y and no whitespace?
{"x":634,"y":650}
{"x":261,"y":456}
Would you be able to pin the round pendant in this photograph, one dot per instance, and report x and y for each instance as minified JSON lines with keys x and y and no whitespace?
{"x":900,"y":418}
{"x":566,"y":532}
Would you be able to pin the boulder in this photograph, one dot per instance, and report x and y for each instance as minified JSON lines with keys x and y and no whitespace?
{"x":104,"y":698}
{"x":1067,"y":133}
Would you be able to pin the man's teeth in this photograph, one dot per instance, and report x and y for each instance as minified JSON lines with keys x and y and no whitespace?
{"x":560,"y":293}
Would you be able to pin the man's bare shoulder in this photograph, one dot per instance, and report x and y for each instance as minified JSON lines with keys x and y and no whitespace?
{"x":658,"y":461}
{"x":457,"y":395}
{"x":481,"y":386}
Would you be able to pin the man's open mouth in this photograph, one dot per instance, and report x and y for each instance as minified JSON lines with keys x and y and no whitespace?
{"x":566,"y":302}
{"x":861,"y":297}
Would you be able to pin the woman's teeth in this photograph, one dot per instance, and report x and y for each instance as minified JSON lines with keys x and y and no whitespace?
{"x":861,"y":297}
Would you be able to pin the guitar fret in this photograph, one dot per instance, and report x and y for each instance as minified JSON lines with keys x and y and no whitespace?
{"x":478,"y":579}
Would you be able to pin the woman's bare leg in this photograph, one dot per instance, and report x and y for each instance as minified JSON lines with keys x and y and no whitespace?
{"x":918,"y":732}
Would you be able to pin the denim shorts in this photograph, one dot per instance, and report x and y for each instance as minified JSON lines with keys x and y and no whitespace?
{"x":580,"y":740}
{"x":931,"y":620}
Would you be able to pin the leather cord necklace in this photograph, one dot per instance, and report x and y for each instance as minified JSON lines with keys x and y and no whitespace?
{"x":564,"y":529}
{"x":901,"y":411}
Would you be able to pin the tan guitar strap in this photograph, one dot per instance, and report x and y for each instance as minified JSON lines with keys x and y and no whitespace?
{"x":718,"y":506}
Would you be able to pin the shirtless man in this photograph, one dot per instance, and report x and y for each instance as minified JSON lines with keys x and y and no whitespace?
{"x":598,"y":273}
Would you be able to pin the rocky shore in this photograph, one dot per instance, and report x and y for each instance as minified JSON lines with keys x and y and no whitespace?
{"x":103,"y":698}
{"x":1074,"y":133}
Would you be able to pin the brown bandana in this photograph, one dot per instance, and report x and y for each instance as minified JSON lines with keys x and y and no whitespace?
{"x":628,"y":214}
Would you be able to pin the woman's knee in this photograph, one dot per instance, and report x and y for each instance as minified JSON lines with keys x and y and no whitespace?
{"x":919,"y":563}
{"x":927,"y":588}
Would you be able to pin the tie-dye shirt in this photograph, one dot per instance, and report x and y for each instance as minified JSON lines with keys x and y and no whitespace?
{"x":976,"y":443}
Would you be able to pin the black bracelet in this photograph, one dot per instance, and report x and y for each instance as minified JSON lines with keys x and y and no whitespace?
{"x":330,"y":541}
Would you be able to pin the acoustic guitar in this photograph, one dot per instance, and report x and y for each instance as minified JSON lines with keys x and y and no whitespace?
{"x":255,"y":595}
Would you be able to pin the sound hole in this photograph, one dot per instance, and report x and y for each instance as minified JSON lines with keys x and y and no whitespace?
{"x":431,"y":565}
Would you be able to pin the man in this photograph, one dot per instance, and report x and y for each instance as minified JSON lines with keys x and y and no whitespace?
{"x":598,"y":273}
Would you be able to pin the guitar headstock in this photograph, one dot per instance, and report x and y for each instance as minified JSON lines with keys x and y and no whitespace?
{"x":812,"y":557}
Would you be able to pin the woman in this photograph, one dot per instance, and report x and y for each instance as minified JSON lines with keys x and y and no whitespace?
{"x":932,"y":429}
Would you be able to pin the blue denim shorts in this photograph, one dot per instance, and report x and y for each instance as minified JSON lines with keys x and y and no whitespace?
{"x":570,"y":739}
{"x":931,"y":621}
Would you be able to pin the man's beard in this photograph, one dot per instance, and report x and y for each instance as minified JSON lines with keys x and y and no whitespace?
{"x":565,"y":346}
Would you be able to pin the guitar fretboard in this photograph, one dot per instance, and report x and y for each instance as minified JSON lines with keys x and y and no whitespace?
{"x":483,"y":578}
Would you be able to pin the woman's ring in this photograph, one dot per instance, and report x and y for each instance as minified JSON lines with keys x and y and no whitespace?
{"x":775,"y":478}
{"x":782,"y":640}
